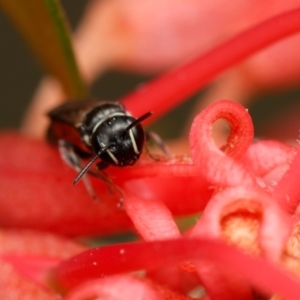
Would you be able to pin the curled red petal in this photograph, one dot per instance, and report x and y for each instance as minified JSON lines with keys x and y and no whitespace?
{"x":274,"y":219}
{"x":216,"y":166}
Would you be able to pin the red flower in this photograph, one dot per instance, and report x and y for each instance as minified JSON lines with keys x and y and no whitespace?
{"x":244,"y":245}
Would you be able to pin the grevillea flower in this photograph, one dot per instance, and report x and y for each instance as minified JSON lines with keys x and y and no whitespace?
{"x":245,"y":244}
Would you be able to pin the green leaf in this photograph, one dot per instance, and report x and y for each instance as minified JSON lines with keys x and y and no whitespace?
{"x":43,"y":25}
{"x":186,"y":222}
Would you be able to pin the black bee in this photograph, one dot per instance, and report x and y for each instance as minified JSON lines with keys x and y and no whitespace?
{"x":98,"y":130}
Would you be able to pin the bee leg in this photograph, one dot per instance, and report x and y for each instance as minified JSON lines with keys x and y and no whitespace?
{"x":150,"y":135}
{"x":107,"y":180}
{"x":68,"y":154}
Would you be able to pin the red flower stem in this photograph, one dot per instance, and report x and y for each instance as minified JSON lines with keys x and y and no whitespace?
{"x":109,"y":260}
{"x":169,"y":90}
{"x":213,"y":163}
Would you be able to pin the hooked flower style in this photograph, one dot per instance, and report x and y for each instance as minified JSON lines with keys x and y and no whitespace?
{"x":244,"y":245}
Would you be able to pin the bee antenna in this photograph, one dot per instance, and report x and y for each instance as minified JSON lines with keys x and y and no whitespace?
{"x":139,"y":120}
{"x":88,"y":165}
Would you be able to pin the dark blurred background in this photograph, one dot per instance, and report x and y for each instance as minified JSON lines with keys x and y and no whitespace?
{"x":20,"y":75}
{"x":19,"y":72}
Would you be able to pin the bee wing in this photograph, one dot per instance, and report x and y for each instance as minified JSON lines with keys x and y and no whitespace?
{"x":66,"y":120}
{"x":73,"y":112}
